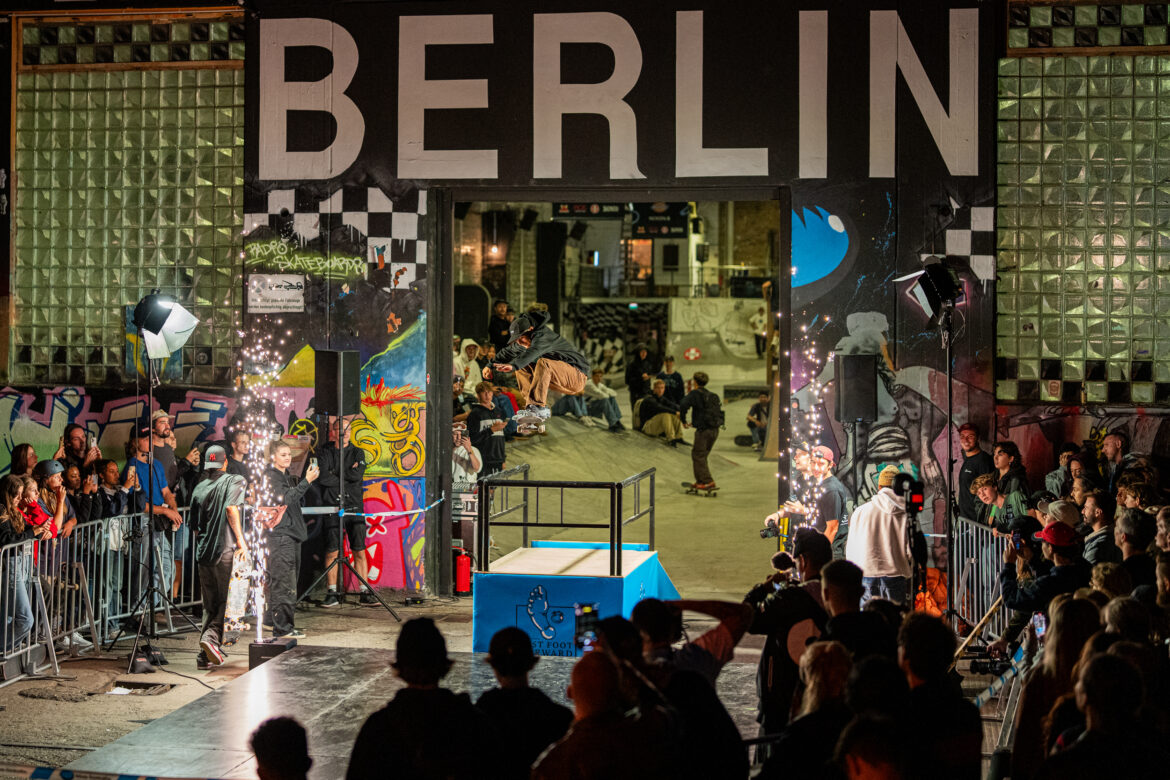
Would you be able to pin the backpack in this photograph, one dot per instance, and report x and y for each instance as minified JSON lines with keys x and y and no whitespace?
{"x":713,"y":416}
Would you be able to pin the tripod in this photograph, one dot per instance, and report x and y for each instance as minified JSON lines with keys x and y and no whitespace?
{"x":148,"y":608}
{"x":341,"y":562}
{"x":946,"y":334}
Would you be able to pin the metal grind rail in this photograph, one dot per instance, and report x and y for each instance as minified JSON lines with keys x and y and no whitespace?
{"x":497,"y":498}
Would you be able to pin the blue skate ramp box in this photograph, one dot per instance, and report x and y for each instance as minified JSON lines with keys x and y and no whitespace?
{"x":535,"y":589}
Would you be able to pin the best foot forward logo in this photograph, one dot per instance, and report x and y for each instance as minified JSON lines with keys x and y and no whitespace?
{"x":551,"y":627}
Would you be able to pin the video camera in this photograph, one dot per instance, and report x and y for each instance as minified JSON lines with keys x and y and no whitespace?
{"x":774,"y":525}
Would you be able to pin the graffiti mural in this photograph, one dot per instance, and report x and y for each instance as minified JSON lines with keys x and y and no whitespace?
{"x":395,"y":544}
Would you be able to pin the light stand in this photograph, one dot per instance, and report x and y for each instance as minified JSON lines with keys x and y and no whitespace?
{"x":946,"y":333}
{"x":148,"y":607}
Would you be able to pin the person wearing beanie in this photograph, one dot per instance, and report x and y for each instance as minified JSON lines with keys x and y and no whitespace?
{"x":878,"y":543}
{"x":429,"y":731}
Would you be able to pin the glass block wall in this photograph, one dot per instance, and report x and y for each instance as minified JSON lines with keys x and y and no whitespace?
{"x":1084,"y":258}
{"x":126,"y":180}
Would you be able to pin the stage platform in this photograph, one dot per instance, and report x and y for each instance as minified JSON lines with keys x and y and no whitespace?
{"x":331,"y":691}
{"x":537,"y":588}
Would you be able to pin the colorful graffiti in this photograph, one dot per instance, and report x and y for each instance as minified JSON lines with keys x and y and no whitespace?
{"x":395,"y":545}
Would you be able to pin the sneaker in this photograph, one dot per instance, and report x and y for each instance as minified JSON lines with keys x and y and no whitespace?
{"x":538,"y":411}
{"x":78,"y":640}
{"x":296,"y":633}
{"x":202,"y":664}
{"x":367,"y":600}
{"x":586,"y":421}
{"x":331,"y":600}
{"x":212,"y":652}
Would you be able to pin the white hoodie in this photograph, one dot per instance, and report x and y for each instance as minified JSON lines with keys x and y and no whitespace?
{"x":470,"y":370}
{"x":877,"y":536}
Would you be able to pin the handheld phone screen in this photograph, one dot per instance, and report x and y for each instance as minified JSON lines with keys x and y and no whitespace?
{"x":585,"y":636}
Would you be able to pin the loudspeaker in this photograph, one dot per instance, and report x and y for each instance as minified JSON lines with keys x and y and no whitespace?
{"x":332,"y":364}
{"x":856,"y":387}
{"x":528,"y":218}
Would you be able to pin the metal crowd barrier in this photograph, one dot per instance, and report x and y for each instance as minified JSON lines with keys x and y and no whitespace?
{"x":978,"y":559}
{"x":72,"y":593}
{"x":495,"y":500}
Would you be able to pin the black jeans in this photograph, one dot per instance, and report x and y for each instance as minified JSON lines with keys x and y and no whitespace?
{"x":214,"y":578}
{"x":284,"y":560}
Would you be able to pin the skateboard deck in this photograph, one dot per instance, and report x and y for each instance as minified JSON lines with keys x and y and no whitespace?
{"x":708,"y":492}
{"x":526,"y":422}
{"x":743,"y":441}
{"x":237,"y":598}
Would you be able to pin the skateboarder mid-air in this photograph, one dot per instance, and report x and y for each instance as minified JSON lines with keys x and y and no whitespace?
{"x":541,"y":360}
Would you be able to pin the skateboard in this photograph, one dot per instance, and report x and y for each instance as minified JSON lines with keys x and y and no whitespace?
{"x":237,"y":598}
{"x":743,"y":441}
{"x":708,"y":492}
{"x":528,"y":423}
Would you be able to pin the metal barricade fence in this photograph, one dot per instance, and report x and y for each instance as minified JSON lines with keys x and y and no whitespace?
{"x":978,"y":558}
{"x":74,"y":591}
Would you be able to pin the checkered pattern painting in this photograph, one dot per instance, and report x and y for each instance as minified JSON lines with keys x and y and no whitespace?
{"x":390,"y":227}
{"x":1040,"y":27}
{"x":971,"y":236}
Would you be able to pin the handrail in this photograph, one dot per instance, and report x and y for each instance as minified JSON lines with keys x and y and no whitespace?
{"x":498,"y":485}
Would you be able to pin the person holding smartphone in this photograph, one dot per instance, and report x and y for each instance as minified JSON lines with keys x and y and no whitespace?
{"x":287,"y":531}
{"x":78,"y":448}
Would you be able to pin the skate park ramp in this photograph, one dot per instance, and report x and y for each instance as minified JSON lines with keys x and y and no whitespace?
{"x":710,"y":547}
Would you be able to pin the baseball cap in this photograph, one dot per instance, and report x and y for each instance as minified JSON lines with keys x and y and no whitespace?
{"x":823,"y":452}
{"x":887,"y":477}
{"x":1064,"y":511}
{"x":969,"y":427}
{"x":215,"y":457}
{"x":143,"y":431}
{"x":1058,"y":535}
{"x":159,"y":414}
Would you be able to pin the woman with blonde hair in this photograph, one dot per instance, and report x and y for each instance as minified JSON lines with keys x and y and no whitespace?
{"x":806,"y":745}
{"x":1073,"y":622}
{"x":16,"y":615}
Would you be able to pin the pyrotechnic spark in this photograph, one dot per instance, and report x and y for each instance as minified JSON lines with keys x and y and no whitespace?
{"x":258,"y":368}
{"x":806,"y":428}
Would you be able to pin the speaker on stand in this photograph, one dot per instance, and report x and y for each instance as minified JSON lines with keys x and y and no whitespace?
{"x":855,"y":396}
{"x":336,"y":382}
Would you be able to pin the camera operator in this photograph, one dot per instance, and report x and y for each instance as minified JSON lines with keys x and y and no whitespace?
{"x":789,"y":613}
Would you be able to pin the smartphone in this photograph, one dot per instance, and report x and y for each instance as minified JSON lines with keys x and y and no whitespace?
{"x":1017,"y":539}
{"x":92,"y":438}
{"x":1040,"y":623}
{"x":312,"y":463}
{"x":585,"y":636}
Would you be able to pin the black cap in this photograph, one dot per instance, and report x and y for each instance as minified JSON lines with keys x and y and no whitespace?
{"x":143,"y":431}
{"x":529,"y":320}
{"x":811,"y":542}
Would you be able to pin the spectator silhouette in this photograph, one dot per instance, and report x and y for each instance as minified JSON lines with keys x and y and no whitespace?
{"x":603,"y":743}
{"x":863,"y":633}
{"x":1109,"y":692}
{"x":952,"y":732}
{"x":661,"y":625}
{"x":1074,"y":621}
{"x":877,"y":688}
{"x":526,"y":720}
{"x":806,"y":745}
{"x":1133,"y":533}
{"x":281,"y":749}
{"x":425,"y":731}
{"x":789,"y":614}
{"x":681,"y":703}
{"x":872,"y":749}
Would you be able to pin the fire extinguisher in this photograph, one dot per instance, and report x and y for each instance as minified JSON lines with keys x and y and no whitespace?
{"x":462,"y":573}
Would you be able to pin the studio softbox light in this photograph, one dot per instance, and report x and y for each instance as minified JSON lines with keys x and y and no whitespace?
{"x":165,"y":325}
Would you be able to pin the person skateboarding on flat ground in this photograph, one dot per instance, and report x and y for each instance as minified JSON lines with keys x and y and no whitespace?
{"x":540,"y":360}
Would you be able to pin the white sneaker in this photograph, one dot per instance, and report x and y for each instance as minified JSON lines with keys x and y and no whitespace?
{"x":77,"y":639}
{"x":542,"y":412}
{"x":587,"y":422}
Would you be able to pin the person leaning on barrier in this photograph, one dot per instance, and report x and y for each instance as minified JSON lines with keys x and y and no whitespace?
{"x":82,"y":494}
{"x":975,"y":463}
{"x":1062,"y":546}
{"x":54,"y":501}
{"x":16,"y":614}
{"x":115,"y":495}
